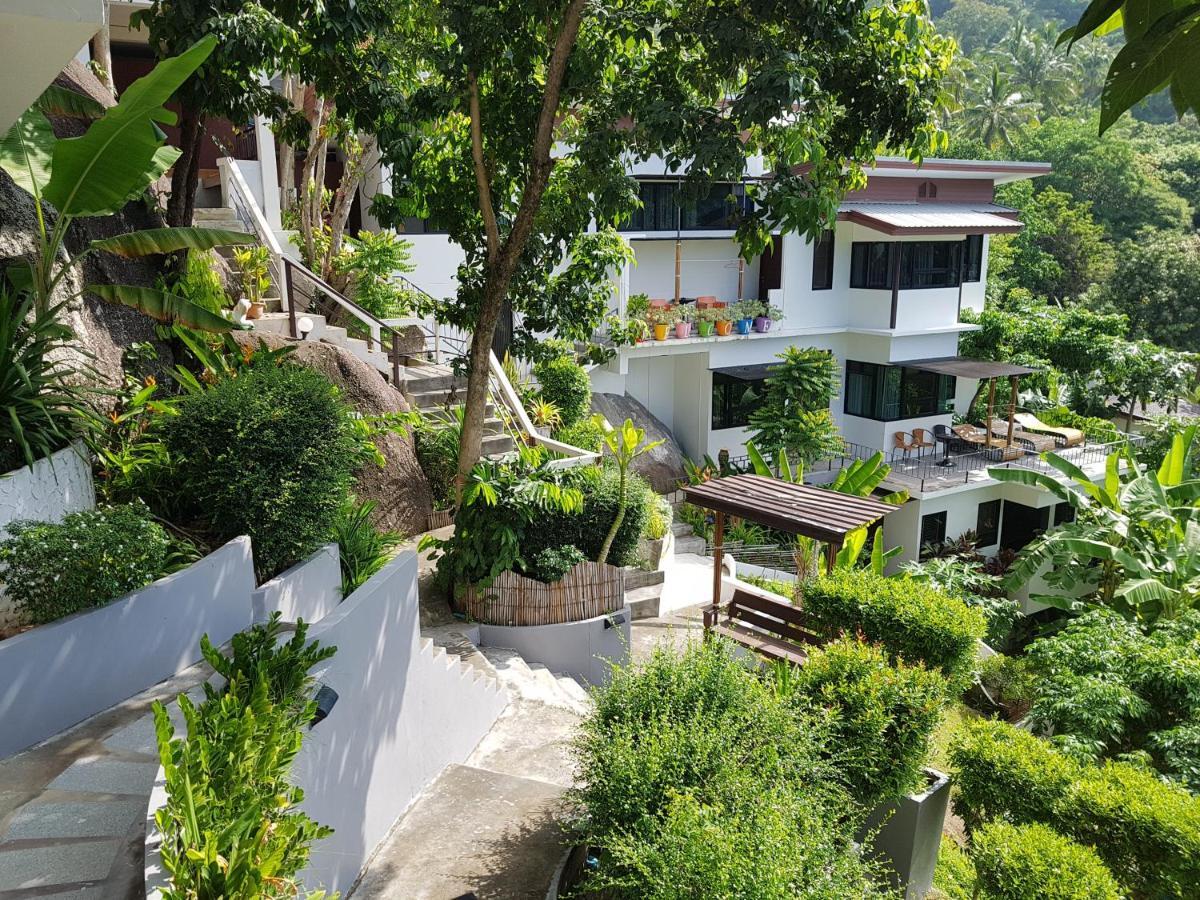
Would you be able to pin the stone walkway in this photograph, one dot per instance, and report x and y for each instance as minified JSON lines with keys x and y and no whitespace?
{"x":72,"y":810}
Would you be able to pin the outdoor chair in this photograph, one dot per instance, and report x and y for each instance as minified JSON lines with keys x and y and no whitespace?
{"x":1036,"y":442}
{"x":970,"y":435}
{"x":921,"y":440}
{"x":949,"y":440}
{"x":901,"y":443}
{"x":765,"y":623}
{"x":1063,"y":436}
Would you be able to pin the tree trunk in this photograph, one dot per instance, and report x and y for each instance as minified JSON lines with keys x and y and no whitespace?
{"x":470,"y":442}
{"x":622,"y":502}
{"x":343,"y":200}
{"x":1129,"y":415}
{"x":182,"y":182}
{"x":307,"y":225}
{"x":102,"y":44}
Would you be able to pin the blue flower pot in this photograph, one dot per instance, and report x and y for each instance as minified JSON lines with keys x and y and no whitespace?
{"x":744,"y":325}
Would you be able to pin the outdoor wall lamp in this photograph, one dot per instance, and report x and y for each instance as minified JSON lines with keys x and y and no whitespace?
{"x":326,"y":699}
{"x":304,"y":326}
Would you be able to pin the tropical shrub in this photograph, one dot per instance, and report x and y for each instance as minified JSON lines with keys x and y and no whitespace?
{"x":793,"y":414}
{"x":1146,"y":831}
{"x":553,"y":563}
{"x":40,"y":407}
{"x":200,"y":284}
{"x":565,"y":384}
{"x":1107,"y":689}
{"x":1004,"y":682}
{"x":270,"y":454}
{"x":362,"y":548}
{"x":697,"y":779}
{"x":50,"y":570}
{"x":623,"y":446}
{"x":436,"y":443}
{"x":881,"y":716}
{"x":1017,"y":862}
{"x":586,"y":434}
{"x":369,"y":267}
{"x":913,"y":621}
{"x":1157,"y":438}
{"x":954,"y":878}
{"x":232,"y":826}
{"x":965,"y":578}
{"x":658,"y":520}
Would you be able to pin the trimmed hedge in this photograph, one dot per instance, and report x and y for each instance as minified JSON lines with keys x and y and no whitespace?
{"x":1020,"y":862}
{"x":881,"y":716}
{"x":1146,"y":831}
{"x":270,"y":453}
{"x":915,"y":622}
{"x":564,"y":383}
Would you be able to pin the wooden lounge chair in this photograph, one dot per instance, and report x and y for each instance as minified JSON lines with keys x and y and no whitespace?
{"x":970,"y":435}
{"x":765,"y":623}
{"x":1039,"y":443}
{"x":1063,"y":437}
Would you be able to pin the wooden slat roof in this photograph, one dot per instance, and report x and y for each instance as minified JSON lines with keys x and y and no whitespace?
{"x":818,"y":513}
{"x":962,"y":367}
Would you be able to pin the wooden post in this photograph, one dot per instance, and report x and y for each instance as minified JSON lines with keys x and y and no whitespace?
{"x":396,"y":361}
{"x":710,"y":618}
{"x":831,"y":552}
{"x":991,"y":407}
{"x":1012,"y":406}
{"x":678,"y":270}
{"x":741,"y":277}
{"x":286,"y":292}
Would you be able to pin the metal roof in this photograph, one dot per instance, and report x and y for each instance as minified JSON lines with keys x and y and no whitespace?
{"x":929,"y":218}
{"x":748,"y":373}
{"x":961,"y":367}
{"x":818,"y":513}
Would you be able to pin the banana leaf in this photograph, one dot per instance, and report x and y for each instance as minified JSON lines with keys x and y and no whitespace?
{"x":162,"y":306}
{"x":27,"y":151}
{"x":168,"y":240}
{"x":68,"y":104}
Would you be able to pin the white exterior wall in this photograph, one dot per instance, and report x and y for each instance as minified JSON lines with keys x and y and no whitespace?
{"x":436,"y":260}
{"x":709,"y":268}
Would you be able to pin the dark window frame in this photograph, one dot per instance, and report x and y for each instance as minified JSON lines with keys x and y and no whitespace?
{"x":988,"y":535}
{"x":972,"y":258}
{"x":923,"y":265}
{"x":662,"y":209}
{"x":886,"y":393}
{"x":730,"y":406}
{"x":823,"y":256}
{"x":939,"y":520}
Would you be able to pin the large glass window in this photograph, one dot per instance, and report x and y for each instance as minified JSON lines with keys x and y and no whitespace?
{"x":973,"y":257}
{"x":822,"y":277}
{"x":888,"y":393}
{"x":923,"y":264}
{"x":733,"y":399}
{"x":933,"y":533}
{"x":663,"y":209}
{"x":987,"y":524}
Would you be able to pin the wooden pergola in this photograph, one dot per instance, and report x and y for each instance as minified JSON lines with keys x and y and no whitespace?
{"x":980,"y":370}
{"x":823,"y":515}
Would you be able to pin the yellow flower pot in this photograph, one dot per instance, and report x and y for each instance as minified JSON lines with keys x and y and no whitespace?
{"x":660,"y":331}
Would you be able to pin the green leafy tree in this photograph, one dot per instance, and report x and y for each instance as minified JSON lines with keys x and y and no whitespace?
{"x":994,"y":110}
{"x":528,"y":113}
{"x":976,"y":23}
{"x":1040,"y":69}
{"x":1145,"y":373}
{"x":1154,"y":284}
{"x":793,"y":414}
{"x":624,"y":445}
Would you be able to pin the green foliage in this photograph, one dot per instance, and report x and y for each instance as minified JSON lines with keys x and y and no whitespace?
{"x":362,"y":548}
{"x":132,"y":461}
{"x":915,"y":622}
{"x":1146,"y":832}
{"x":967,"y":580}
{"x":270,"y":453}
{"x":50,"y":570}
{"x":794,"y":413}
{"x":232,"y":826}
{"x":553,"y":563}
{"x":436,"y":439}
{"x":1098,"y":431}
{"x":41,"y":408}
{"x":564,"y":383}
{"x":1152,"y":284}
{"x":586,"y":434}
{"x":200,"y":284}
{"x":881,"y":716}
{"x":1106,"y":689}
{"x":658,"y":520}
{"x":623,"y":446}
{"x":954,"y":878}
{"x":1157,"y":438}
{"x":1004,"y":682}
{"x":697,"y":779}
{"x":1020,"y":862}
{"x":254,"y":266}
{"x":370,"y":266}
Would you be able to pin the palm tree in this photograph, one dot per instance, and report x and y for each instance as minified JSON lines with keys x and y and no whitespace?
{"x":995,"y":110}
{"x":1042,"y":70}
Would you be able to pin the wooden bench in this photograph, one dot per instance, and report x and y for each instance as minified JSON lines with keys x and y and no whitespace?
{"x":763,"y":622}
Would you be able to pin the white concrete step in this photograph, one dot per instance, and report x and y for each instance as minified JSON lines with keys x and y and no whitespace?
{"x":645,"y":602}
{"x":681,"y":529}
{"x":694,"y":544}
{"x":573,"y":688}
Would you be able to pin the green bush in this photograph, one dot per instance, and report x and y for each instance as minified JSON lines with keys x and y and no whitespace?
{"x":914,"y":621}
{"x":437,"y":455}
{"x":200,"y":283}
{"x":553,"y":563}
{"x":954,"y":878}
{"x":1033,"y":862}
{"x":1098,"y":431}
{"x":232,"y":826}
{"x":270,"y":453}
{"x":586,"y":434}
{"x":50,"y":570}
{"x":698,"y":780}
{"x":881,"y":716}
{"x":586,"y":528}
{"x":362,"y":548}
{"x":1146,"y":831}
{"x":565,"y":384}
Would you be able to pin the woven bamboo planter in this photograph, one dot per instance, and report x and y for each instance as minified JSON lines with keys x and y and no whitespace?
{"x":588,"y":590}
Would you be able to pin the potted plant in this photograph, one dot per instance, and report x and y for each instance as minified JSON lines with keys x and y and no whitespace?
{"x":636,"y":326}
{"x":706,"y":320}
{"x":685,"y":313}
{"x":744,"y":312}
{"x":766,"y":315}
{"x":254,"y":264}
{"x":724,"y":322}
{"x":660,"y":319}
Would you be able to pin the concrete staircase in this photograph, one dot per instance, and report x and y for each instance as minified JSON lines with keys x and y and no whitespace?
{"x":686,"y":540}
{"x":490,"y":828}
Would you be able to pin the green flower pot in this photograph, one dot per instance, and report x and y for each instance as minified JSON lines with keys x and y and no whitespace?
{"x":705,"y":329}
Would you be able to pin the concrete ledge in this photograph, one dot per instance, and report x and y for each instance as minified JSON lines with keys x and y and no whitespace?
{"x":583,"y":649}
{"x":61,"y":673}
{"x":309,"y":590}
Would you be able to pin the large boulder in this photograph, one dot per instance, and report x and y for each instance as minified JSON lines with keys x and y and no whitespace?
{"x":662,"y":466}
{"x":399,"y":487}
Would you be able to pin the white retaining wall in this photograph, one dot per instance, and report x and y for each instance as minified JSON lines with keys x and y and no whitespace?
{"x":309,"y":590}
{"x":405,"y":711}
{"x":583,"y":649}
{"x":56,"y":486}
{"x":58,"y":674}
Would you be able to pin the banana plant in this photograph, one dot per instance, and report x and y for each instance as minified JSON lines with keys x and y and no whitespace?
{"x":1134,"y":545}
{"x":120,"y":155}
{"x":625,"y":444}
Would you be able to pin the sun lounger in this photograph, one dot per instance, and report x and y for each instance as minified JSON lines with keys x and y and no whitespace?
{"x":1036,"y":442}
{"x":1064,"y":437}
{"x":970,"y":435}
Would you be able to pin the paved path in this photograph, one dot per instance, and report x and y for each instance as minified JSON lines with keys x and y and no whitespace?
{"x":72,"y":810}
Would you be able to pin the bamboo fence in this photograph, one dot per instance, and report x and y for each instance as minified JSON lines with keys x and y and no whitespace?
{"x":588,"y":590}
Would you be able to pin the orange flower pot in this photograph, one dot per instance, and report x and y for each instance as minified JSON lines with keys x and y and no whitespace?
{"x":724,"y":327}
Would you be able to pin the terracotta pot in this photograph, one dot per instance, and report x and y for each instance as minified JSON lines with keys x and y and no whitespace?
{"x":704,"y":329}
{"x":660,"y":331}
{"x":255,"y":311}
{"x":683,"y":329}
{"x":724,"y":327}
{"x":762,"y":324}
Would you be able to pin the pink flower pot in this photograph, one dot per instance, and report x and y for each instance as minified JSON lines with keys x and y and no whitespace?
{"x":683,"y":329}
